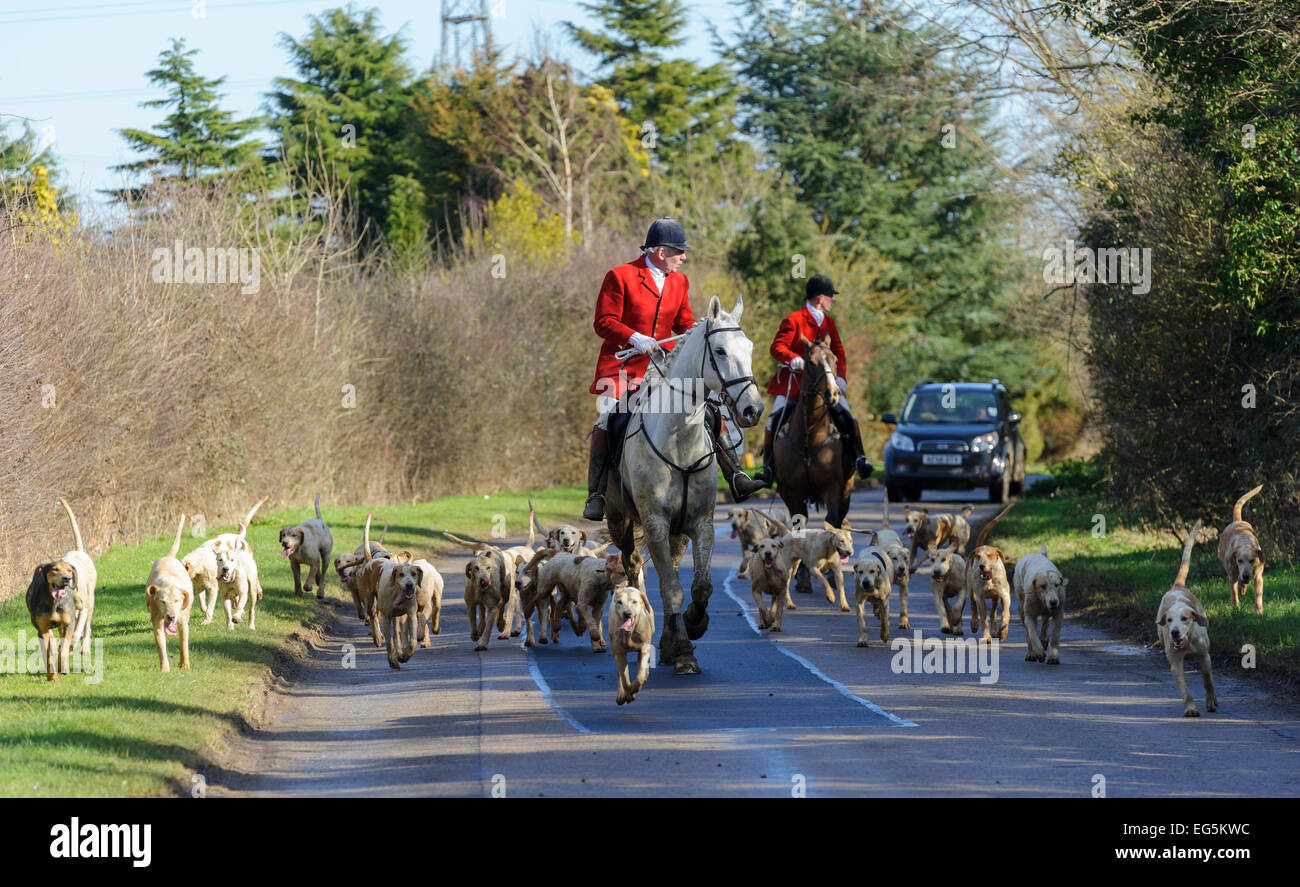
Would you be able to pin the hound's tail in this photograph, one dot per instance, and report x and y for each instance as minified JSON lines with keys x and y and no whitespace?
{"x":532,"y":530}
{"x":966,"y":512}
{"x":1181,"y":578}
{"x":318,"y":517}
{"x":984,"y":533}
{"x":472,"y":544}
{"x":76,"y":531}
{"x":382,"y":534}
{"x":366,"y":539}
{"x":884,"y":518}
{"x":249,"y":519}
{"x":1236,"y":509}
{"x":532,"y":516}
{"x":176,"y":543}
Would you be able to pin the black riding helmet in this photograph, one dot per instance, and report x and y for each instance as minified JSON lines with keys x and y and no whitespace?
{"x":666,"y":232}
{"x":819,"y":285}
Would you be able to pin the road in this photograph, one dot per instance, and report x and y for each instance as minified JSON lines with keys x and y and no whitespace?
{"x":803,"y":713}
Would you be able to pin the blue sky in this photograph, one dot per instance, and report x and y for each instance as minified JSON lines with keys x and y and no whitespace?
{"x":77,"y":68}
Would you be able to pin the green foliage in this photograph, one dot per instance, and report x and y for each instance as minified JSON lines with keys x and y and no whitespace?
{"x":686,"y":105}
{"x":519,"y":226}
{"x":196,"y":139}
{"x":1070,"y":478}
{"x":348,"y":114}
{"x":1206,"y":407}
{"x":853,"y":109}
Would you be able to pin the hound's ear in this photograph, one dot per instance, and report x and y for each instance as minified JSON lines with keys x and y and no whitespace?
{"x":190,"y":568}
{"x":1163,"y":620}
{"x":468,"y":567}
{"x":645,"y":602}
{"x":925,"y":511}
{"x":583,"y":534}
{"x":1200,"y":618}
{"x":846,"y":525}
{"x":520,"y":560}
{"x":151,"y":590}
{"x":780,"y":544}
{"x":1064,"y":582}
{"x":828,"y":525}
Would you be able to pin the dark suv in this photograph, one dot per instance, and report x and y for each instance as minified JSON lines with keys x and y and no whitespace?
{"x":955,"y":436}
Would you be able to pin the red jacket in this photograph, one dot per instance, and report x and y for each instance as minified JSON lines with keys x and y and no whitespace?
{"x":787,"y":346}
{"x":629,"y":303}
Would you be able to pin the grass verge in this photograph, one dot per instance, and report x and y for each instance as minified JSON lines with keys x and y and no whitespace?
{"x":137,"y":731}
{"x":1118,"y":578}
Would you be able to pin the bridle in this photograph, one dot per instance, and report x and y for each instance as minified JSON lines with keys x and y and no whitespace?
{"x":724,"y":383}
{"x":813,"y":388}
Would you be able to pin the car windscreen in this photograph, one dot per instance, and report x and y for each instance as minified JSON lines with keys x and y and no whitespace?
{"x":937,"y":406}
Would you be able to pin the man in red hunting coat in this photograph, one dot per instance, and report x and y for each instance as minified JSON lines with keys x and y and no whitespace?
{"x":640,"y":303}
{"x":813,"y":321}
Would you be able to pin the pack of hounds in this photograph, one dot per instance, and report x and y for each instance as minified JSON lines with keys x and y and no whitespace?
{"x":776,"y":546}
{"x":399,"y":597}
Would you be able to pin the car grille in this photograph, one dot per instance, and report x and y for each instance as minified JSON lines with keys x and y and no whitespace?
{"x":943,"y":446}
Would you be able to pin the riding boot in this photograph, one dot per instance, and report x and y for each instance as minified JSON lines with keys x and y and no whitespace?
{"x":596,"y":470}
{"x":848,"y":426}
{"x":742,"y":485}
{"x":766,"y":473}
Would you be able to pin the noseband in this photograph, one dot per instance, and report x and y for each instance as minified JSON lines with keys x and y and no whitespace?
{"x":723,"y":382}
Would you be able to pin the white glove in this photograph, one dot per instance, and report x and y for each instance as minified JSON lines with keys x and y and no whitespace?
{"x":643,"y":344}
{"x":796,"y":365}
{"x":844,"y":386}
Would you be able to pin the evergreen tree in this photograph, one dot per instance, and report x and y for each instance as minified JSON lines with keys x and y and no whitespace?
{"x":891,"y":158}
{"x":197,"y":139}
{"x":349,"y":111}
{"x":681,"y":100}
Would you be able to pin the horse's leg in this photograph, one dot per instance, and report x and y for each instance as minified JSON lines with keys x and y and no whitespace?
{"x":697,"y":617}
{"x":674,"y":647}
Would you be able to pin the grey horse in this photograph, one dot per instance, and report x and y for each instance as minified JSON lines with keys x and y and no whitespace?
{"x":661,"y":492}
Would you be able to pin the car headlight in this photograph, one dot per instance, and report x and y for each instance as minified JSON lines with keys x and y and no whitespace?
{"x":902,"y":442}
{"x":984,"y":443}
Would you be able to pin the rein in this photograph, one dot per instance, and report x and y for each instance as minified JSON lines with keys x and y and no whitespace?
{"x":706,"y":460}
{"x":812,"y":391}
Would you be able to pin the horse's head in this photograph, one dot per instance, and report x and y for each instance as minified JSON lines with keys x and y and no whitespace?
{"x":727,"y":363}
{"x":819,"y":371}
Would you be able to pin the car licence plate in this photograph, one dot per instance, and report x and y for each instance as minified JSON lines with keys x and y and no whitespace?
{"x":940,"y":459}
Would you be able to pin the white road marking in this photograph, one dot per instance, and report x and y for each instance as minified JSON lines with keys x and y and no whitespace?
{"x":547,"y":695}
{"x":816,"y":672}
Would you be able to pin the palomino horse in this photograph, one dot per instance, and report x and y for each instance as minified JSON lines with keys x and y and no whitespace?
{"x":810,"y":456}
{"x":662,"y":488}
